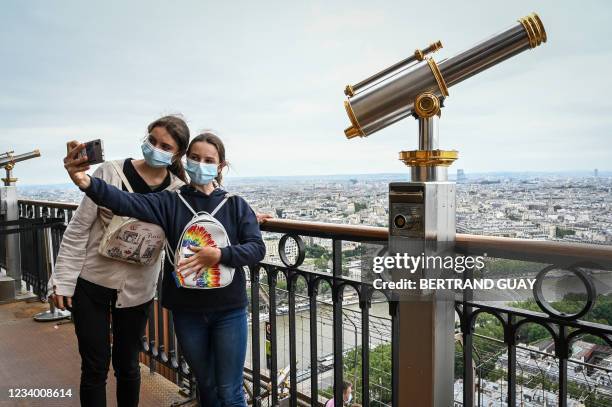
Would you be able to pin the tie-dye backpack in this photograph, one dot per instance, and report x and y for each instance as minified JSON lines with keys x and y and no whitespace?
{"x":202,"y":230}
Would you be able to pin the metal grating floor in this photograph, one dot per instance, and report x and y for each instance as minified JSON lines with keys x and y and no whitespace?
{"x":44,"y":355}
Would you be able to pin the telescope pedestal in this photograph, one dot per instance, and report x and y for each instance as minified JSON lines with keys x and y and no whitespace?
{"x":9,"y":210}
{"x":422,"y":222}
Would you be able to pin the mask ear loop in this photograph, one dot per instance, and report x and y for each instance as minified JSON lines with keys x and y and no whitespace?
{"x":176,"y":159}
{"x":224,"y":169}
{"x":215,"y":182}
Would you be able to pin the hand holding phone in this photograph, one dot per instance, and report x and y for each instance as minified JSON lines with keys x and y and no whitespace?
{"x":94,"y":150}
{"x":78,"y":159}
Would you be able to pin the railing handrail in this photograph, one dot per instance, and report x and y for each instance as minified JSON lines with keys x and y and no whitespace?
{"x":463,"y":241}
{"x":50,"y":204}
{"x":493,"y":245}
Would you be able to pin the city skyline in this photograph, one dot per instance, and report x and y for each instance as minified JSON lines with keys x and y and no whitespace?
{"x":270,"y":79}
{"x":575,"y":209}
{"x":391,"y":176}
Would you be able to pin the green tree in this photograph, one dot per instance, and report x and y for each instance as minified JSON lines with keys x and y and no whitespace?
{"x":380,"y":375}
{"x":360,"y":206}
{"x":316,"y":251}
{"x":561,"y":232}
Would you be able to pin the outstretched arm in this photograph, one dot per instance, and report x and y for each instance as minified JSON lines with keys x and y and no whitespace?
{"x":152,"y":208}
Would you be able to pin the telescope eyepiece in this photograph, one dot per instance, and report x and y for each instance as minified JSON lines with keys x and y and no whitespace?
{"x":348,"y":91}
{"x":420,"y":54}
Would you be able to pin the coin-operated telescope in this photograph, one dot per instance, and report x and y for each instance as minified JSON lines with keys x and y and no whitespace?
{"x":9,"y":212}
{"x":418,"y":85}
{"x":8,"y":161}
{"x":422,"y":212}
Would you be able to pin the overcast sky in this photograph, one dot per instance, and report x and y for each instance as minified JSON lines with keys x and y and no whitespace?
{"x":269,"y":76}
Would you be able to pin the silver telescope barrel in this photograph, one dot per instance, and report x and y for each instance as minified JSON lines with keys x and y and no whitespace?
{"x":494,"y":50}
{"x":397,"y":96}
{"x":9,"y":158}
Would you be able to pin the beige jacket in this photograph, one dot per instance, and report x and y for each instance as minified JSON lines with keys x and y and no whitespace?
{"x":78,"y":252}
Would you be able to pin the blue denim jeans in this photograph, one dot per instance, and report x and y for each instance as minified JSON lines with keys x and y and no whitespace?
{"x":214,"y":345}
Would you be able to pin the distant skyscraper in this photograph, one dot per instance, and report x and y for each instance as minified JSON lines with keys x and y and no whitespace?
{"x":596,"y":173}
{"x":461,"y":176}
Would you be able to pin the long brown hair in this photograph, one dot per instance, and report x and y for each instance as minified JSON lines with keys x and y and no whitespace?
{"x":177,"y":128}
{"x":209,"y":137}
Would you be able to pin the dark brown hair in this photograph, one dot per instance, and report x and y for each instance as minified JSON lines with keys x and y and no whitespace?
{"x":346,"y":385}
{"x":211,"y":138}
{"x":177,"y":128}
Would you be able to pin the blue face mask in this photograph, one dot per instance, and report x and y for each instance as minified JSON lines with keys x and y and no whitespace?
{"x":200,"y":173}
{"x":155,"y":157}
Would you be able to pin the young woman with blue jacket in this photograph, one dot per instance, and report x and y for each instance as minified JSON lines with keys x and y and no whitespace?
{"x":211,"y":325}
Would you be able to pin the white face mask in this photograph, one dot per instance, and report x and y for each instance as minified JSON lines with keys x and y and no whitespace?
{"x":155,"y":157}
{"x":200,"y":173}
{"x":350,"y":398}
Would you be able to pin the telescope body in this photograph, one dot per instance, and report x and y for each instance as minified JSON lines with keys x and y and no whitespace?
{"x":391,"y":100}
{"x":8,"y":160}
{"x":12,"y":159}
{"x":391,"y":95}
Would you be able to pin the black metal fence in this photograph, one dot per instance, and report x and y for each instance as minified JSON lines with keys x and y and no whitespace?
{"x":528,"y":351}
{"x":344,"y":293}
{"x":38,"y":244}
{"x":301,"y":308}
{"x":2,"y":247}
{"x":39,"y":240}
{"x":43,"y":228}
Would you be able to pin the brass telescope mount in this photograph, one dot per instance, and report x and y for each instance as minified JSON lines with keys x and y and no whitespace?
{"x":8,"y":167}
{"x":428,"y":163}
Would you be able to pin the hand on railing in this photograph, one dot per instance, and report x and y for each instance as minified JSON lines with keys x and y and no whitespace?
{"x":263,"y":217}
{"x":77,"y":166}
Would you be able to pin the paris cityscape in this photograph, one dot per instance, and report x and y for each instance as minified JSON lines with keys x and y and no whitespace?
{"x":573,"y":208}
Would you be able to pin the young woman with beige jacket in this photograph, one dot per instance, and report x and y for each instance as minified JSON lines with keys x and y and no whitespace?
{"x":96,"y":288}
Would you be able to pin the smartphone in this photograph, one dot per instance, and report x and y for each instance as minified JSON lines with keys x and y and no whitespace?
{"x":94,"y":150}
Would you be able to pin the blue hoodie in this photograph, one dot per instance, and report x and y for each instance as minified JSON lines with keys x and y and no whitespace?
{"x":167,"y":210}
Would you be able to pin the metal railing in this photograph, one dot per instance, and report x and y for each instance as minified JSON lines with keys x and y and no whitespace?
{"x":562,"y":328}
{"x":41,"y":227}
{"x":2,"y":247}
{"x":38,"y":234}
{"x":274,"y":288}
